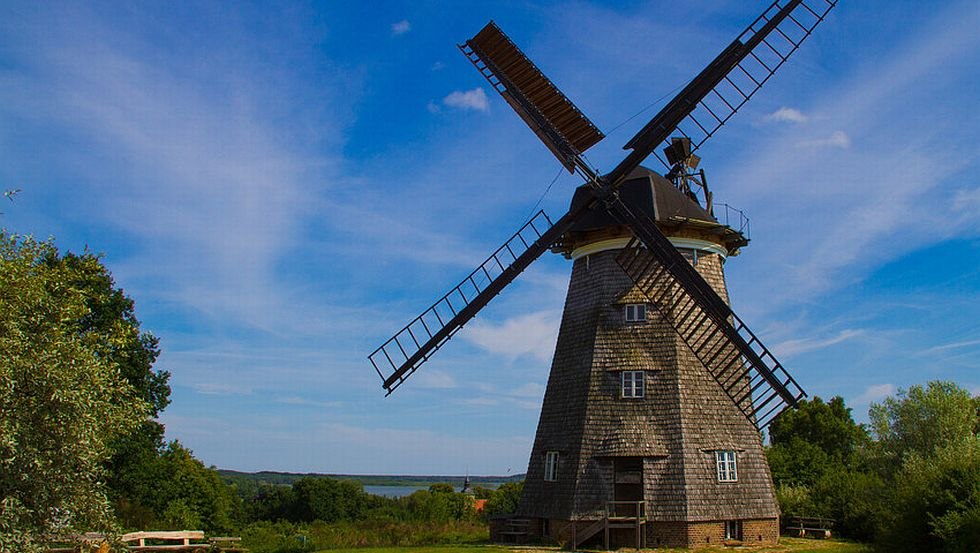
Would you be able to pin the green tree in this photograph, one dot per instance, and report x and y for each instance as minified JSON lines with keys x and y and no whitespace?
{"x":442,"y":487}
{"x":921,"y":419}
{"x":504,"y":499}
{"x":816,"y":459}
{"x":934,"y":503}
{"x":64,"y":398}
{"x":827,"y":426}
{"x":328,"y":499}
{"x":134,"y":353}
{"x":184,"y":494}
{"x":929,"y":449}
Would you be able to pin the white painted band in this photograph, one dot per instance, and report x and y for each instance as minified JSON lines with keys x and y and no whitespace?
{"x":620,"y":243}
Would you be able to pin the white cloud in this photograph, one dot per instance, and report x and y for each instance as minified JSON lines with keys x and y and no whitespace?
{"x":837,"y":139}
{"x":951,"y":346}
{"x":221,"y":389}
{"x":793,"y":347}
{"x":469,"y":99}
{"x":533,"y":334}
{"x":967,"y":201}
{"x":401,"y":27}
{"x":874,"y":393}
{"x":434,"y":379}
{"x":531,"y":390}
{"x":786,"y":115}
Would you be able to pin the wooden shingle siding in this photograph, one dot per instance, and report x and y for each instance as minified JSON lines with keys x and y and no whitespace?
{"x":684,"y":418}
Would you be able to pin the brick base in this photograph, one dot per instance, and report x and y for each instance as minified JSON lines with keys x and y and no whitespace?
{"x":689,"y":535}
{"x":705,"y":534}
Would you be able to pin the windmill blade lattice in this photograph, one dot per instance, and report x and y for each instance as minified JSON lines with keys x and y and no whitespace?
{"x":723,"y":87}
{"x":403,"y":353}
{"x":697,"y":112}
{"x":748,"y":372}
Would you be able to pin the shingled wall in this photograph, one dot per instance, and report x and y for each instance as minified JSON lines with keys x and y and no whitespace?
{"x":676,"y":428}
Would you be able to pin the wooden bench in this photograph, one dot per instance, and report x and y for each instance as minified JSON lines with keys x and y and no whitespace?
{"x":183,"y":541}
{"x":227,"y":544}
{"x":176,"y":542}
{"x":811,"y":526}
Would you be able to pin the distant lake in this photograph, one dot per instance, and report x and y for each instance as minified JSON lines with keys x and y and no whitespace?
{"x":394,"y":491}
{"x":402,"y":491}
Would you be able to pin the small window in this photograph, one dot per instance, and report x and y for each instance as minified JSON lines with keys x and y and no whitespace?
{"x":632,"y":383}
{"x":636,"y":312}
{"x":727,"y":471}
{"x":733,"y":530}
{"x":551,"y":466}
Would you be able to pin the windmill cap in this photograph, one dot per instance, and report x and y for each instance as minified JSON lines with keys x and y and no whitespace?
{"x":648,"y":193}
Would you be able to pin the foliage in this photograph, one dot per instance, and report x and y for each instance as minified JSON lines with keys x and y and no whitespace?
{"x":64,"y":396}
{"x":504,"y":499}
{"x":816,"y":459}
{"x":480,"y":492}
{"x":929,"y":447}
{"x":851,"y":497}
{"x":134,"y":353}
{"x":184,"y":494}
{"x":921,"y":420}
{"x":828,"y":427}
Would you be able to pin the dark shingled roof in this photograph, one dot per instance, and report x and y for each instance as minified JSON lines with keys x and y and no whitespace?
{"x":650,"y":194}
{"x":646,"y":192}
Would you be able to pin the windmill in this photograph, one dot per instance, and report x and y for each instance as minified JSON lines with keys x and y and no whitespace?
{"x":650,"y":428}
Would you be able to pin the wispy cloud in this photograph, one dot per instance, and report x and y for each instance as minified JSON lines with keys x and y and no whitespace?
{"x":951,"y":346}
{"x":401,"y":27}
{"x":532,"y":334}
{"x":837,"y":139}
{"x":876,"y":392}
{"x":794,"y":347}
{"x":429,"y":377}
{"x":786,"y":115}
{"x":221,"y":389}
{"x":474,"y":99}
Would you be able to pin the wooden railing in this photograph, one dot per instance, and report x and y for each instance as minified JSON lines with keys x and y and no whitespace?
{"x":811,"y":526}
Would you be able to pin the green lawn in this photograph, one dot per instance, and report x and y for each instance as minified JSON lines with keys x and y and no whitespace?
{"x":786,"y":545}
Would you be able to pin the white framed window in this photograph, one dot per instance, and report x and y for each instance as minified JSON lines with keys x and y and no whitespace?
{"x":636,"y":312}
{"x":632,"y":383}
{"x":551,"y":466}
{"x":727,"y":470}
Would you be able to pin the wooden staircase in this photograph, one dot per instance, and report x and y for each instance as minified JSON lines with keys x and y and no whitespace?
{"x":619,"y":514}
{"x":517,"y":530}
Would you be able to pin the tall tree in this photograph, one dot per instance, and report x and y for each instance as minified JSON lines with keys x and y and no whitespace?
{"x":928,"y":446}
{"x":921,"y":419}
{"x":134,"y":352}
{"x":64,"y":396}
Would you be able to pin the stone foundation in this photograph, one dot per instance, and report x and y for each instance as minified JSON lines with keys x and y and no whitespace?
{"x":706,"y":534}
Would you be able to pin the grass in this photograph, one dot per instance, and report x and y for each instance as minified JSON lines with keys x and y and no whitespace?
{"x":786,"y":545}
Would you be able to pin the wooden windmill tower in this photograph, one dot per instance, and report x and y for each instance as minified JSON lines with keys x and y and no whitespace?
{"x":649,"y":431}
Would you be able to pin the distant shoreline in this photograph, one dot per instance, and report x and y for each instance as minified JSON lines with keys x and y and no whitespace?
{"x":287,"y":478}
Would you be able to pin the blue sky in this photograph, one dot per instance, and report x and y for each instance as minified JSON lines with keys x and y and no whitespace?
{"x":281,"y":186}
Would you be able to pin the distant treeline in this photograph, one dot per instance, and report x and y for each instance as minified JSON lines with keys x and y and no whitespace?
{"x":288,"y":478}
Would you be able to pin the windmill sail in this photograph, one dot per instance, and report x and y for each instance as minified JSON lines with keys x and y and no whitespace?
{"x":717,"y":93}
{"x":403,"y":353}
{"x":761,"y":387}
{"x":748,"y":372}
{"x":563,"y":128}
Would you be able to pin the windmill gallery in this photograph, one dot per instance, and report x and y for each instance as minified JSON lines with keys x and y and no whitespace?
{"x":649,"y":433}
